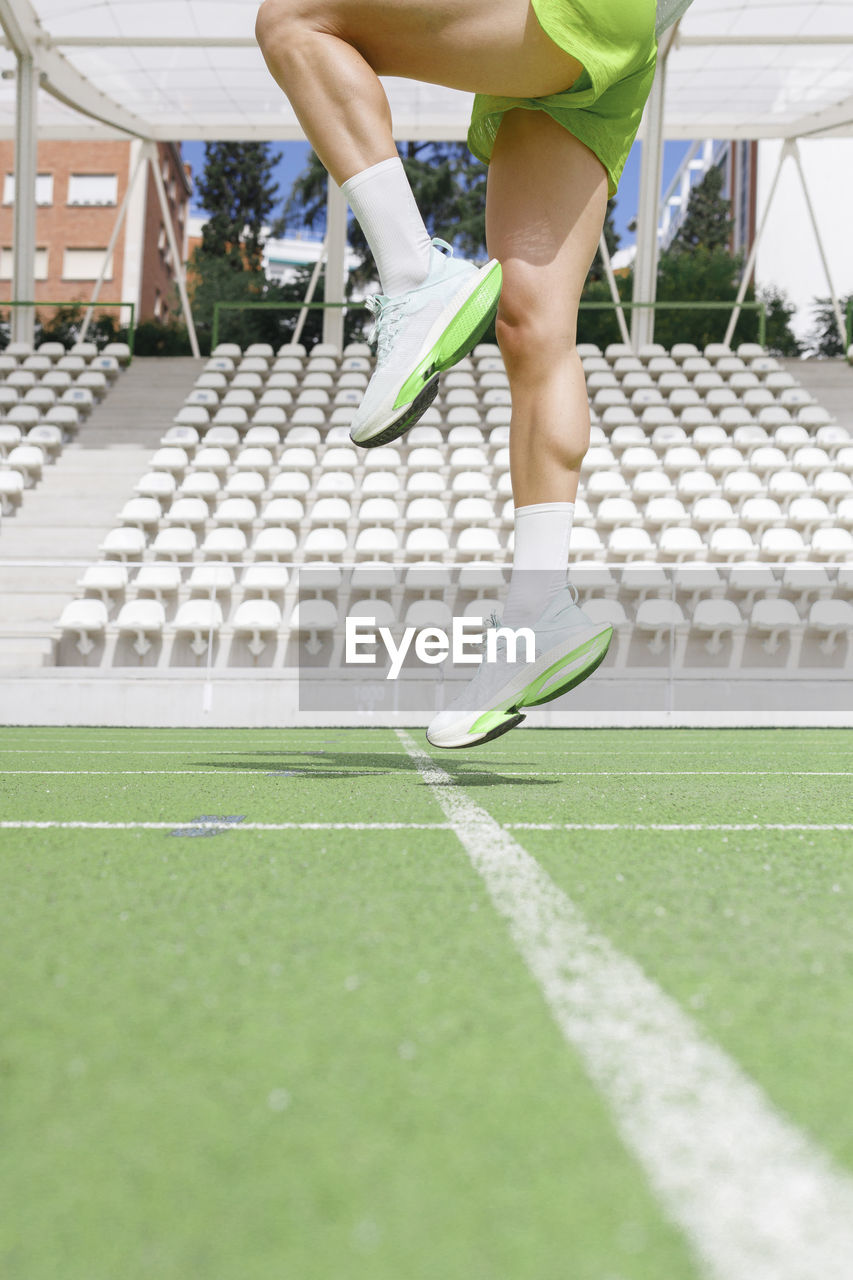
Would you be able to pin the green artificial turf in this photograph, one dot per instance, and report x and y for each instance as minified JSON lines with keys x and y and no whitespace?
{"x":316,"y":1054}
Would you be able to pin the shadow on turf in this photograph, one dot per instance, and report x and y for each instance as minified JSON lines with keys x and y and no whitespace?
{"x":323,"y":765}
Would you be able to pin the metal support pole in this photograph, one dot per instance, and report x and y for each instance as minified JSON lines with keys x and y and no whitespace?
{"x":646,"y":262}
{"x":153,"y":155}
{"x":26,"y":167}
{"x":336,"y":241}
{"x":836,"y":305}
{"x":614,"y":289}
{"x":309,"y":293}
{"x":753,"y":253}
{"x":119,"y":223}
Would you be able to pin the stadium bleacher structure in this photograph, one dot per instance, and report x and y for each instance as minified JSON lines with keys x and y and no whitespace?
{"x":714,"y":527}
{"x":46,"y":394}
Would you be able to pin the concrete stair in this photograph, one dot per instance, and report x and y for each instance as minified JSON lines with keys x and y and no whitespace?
{"x":61,"y":523}
{"x":831,"y":384}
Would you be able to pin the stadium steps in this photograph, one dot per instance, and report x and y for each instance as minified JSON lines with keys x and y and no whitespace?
{"x":140,"y":408}
{"x":831,"y":384}
{"x":73,"y":508}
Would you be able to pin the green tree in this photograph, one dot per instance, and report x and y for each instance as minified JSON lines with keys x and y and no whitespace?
{"x":611,"y":238}
{"x":701,"y":275}
{"x":239,"y":192}
{"x":694,"y":277}
{"x":824,"y":338}
{"x":707,"y":225}
{"x":781,"y":340}
{"x":448,"y":184}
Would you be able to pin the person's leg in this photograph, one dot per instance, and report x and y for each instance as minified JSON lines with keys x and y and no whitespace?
{"x":327,"y":56}
{"x":547,"y":199}
{"x":546,"y":205}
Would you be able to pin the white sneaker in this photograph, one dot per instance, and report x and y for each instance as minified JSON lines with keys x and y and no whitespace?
{"x":568,"y":648}
{"x":419,"y":334}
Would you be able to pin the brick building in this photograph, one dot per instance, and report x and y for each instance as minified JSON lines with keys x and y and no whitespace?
{"x":79,"y":192}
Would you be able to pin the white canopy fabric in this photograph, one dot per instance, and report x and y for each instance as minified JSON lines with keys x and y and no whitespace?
{"x":174,"y":69}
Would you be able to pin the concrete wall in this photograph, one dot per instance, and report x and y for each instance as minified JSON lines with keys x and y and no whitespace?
{"x":788,"y":255}
{"x":250,"y":699}
{"x":140,"y":270}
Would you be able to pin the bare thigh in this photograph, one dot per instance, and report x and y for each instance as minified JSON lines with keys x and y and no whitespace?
{"x":479,"y":46}
{"x":547,"y":197}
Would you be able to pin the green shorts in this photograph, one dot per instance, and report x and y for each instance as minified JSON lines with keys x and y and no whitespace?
{"x":615,"y":41}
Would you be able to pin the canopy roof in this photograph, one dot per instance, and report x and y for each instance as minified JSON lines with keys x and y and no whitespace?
{"x":174,"y":69}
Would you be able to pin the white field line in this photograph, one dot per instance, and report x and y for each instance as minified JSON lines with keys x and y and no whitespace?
{"x":57,"y":825}
{"x":491,"y":759}
{"x":184,"y":823}
{"x":269,"y":770}
{"x":301,"y":770}
{"x":754,"y":1196}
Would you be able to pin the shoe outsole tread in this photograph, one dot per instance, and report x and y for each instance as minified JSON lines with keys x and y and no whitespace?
{"x":511,"y":712}
{"x":499,"y":730}
{"x":410,"y":415}
{"x":459,"y":338}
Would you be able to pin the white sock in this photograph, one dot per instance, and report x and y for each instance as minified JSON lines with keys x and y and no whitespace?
{"x":382,"y":201}
{"x":540,"y":561}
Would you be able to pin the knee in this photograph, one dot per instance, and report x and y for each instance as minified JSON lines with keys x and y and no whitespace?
{"x":535,"y":329}
{"x":272,"y":16}
{"x":279,"y":21}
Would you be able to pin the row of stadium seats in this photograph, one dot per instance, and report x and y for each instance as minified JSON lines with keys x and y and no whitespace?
{"x":114,"y":582}
{"x":713,"y":353}
{"x":771,"y":634}
{"x":226,"y":454}
{"x":376,"y":540}
{"x":805,"y":515}
{"x":276,"y":434}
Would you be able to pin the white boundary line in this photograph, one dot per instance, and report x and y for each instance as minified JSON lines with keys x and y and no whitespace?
{"x":301,"y":769}
{"x":182,"y":824}
{"x":754,"y":1196}
{"x":217,"y":825}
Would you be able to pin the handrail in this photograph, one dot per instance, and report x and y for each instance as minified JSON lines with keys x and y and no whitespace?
{"x":659,"y":305}
{"x":99,"y":306}
{"x":760,"y":307}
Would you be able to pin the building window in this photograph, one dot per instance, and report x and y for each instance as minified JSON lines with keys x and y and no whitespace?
{"x":85,"y":264}
{"x":93,"y":188}
{"x":158,"y":305}
{"x":44,"y":189}
{"x":7,"y":261}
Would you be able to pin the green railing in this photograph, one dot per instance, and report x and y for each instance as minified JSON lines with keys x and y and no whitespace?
{"x":219,"y":307}
{"x":760,"y":307}
{"x":86,"y":306}
{"x":608,"y":305}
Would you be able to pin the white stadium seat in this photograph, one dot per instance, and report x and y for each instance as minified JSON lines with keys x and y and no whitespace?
{"x":175,"y":544}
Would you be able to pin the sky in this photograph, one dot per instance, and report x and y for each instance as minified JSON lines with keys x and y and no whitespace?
{"x":295,"y":154}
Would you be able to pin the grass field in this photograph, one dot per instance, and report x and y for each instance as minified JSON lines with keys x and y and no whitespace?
{"x":328,"y":1005}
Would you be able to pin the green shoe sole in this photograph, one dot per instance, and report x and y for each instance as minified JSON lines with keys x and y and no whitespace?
{"x":461,"y":335}
{"x":537,"y":694}
{"x":410,"y":415}
{"x":549,"y":684}
{"x":497,"y":731}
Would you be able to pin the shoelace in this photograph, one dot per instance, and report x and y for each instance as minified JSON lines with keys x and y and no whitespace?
{"x":387,"y":313}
